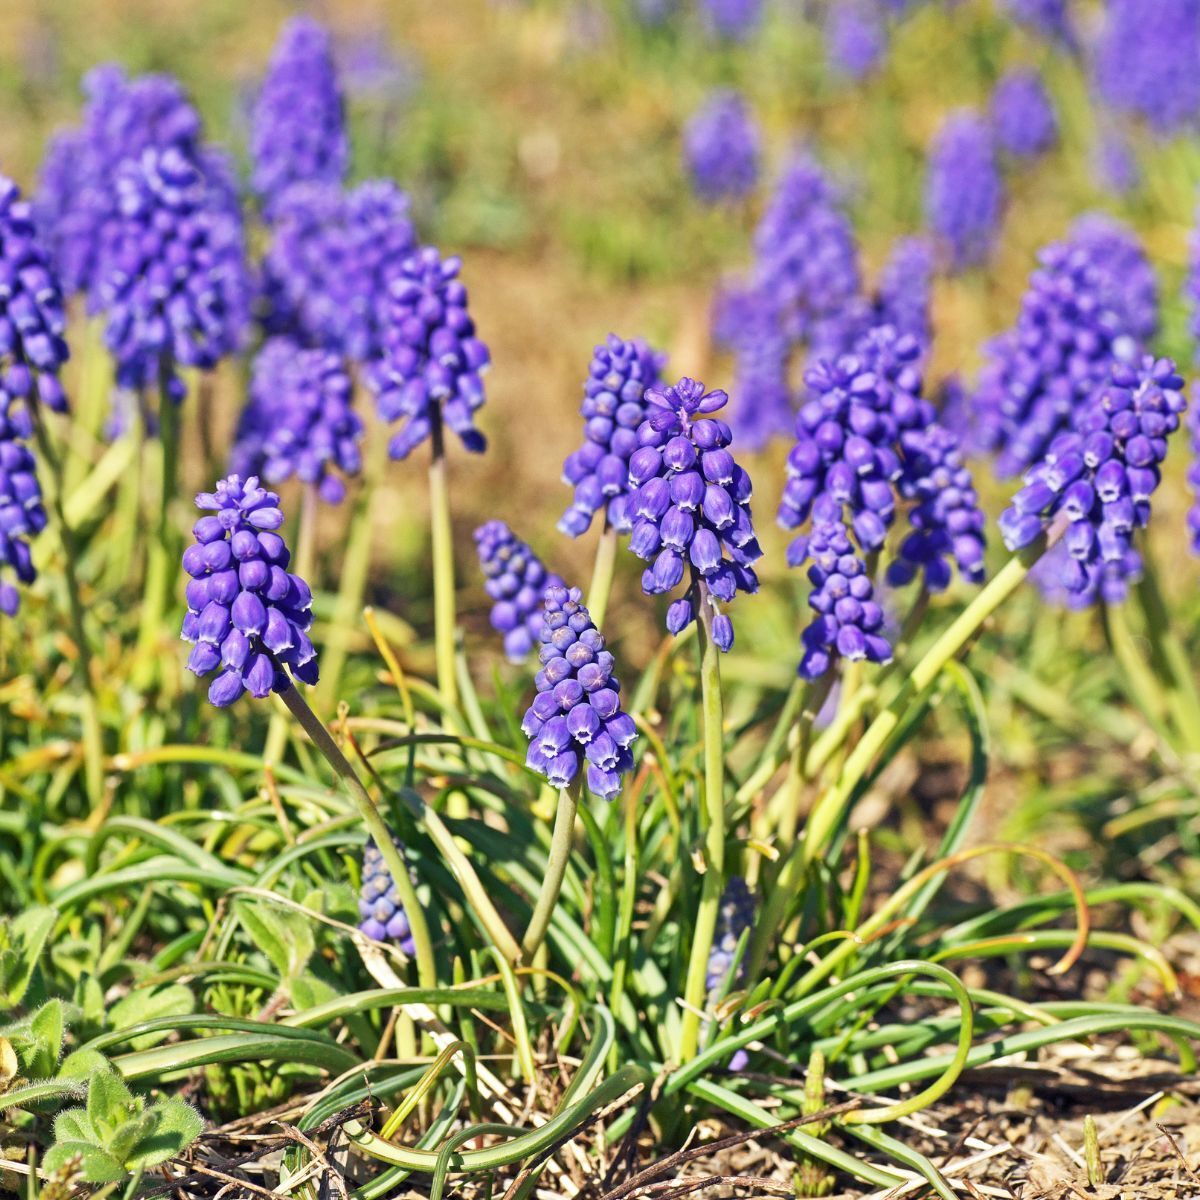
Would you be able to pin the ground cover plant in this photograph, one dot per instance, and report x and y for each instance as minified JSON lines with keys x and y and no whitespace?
{"x":409,"y":789}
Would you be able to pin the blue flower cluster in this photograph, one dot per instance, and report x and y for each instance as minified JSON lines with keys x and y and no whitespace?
{"x":721,"y":148}
{"x":1193,"y":471}
{"x":576,"y":721}
{"x":247,"y":617}
{"x":432,"y":364}
{"x":734,"y":917}
{"x":516,"y":580}
{"x":1050,"y":18}
{"x":1097,"y":479}
{"x":732,"y":19}
{"x":691,"y":507}
{"x":855,"y":38}
{"x":903,"y":294}
{"x":379,"y":904}
{"x":964,"y":194}
{"x":1130,"y":282}
{"x":613,"y":409}
{"x":298,"y":128}
{"x":299,"y":420}
{"x":21,"y":513}
{"x":32,"y":323}
{"x":1023,"y":115}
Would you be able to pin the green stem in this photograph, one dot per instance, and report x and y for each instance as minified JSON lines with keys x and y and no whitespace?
{"x":1182,"y":698}
{"x":713,"y":816}
{"x":556,"y":868}
{"x":442,"y":538}
{"x":376,"y":827}
{"x":625,"y":910}
{"x":602,"y":574}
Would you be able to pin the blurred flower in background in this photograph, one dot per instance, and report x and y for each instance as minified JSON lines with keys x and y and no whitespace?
{"x":721,"y":148}
{"x":1023,"y":115}
{"x":964,"y":194}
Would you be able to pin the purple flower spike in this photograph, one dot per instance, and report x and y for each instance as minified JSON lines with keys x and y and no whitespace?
{"x":964,"y":194}
{"x":516,"y":580}
{"x":691,"y":507}
{"x":299,"y":420}
{"x":613,"y":409}
{"x":379,"y":904}
{"x":21,"y":513}
{"x":1049,"y":18}
{"x":432,"y":363}
{"x":855,"y":38}
{"x":247,"y":617}
{"x":298,"y":131}
{"x":734,"y":917}
{"x":735,"y":20}
{"x":576,"y":721}
{"x":905,"y":285}
{"x":721,"y":148}
{"x":1193,"y":473}
{"x":32,"y":343}
{"x":1098,"y":478}
{"x":1023,"y":115}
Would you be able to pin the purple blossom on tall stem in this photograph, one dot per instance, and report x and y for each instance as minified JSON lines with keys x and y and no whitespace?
{"x":298,"y":130}
{"x":1131,"y":283}
{"x":1049,"y":18}
{"x":1023,"y":115}
{"x":516,"y":581}
{"x":691,"y":508}
{"x":964,"y":194}
{"x":22,"y":516}
{"x":855,"y":37}
{"x":721,"y":148}
{"x":903,"y":296}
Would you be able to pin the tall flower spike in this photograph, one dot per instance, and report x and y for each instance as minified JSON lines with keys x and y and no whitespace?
{"x":721,"y":148}
{"x":691,"y":509}
{"x":299,"y":420}
{"x":32,"y":346}
{"x":1099,"y":477}
{"x":613,"y":409}
{"x":964,"y":194}
{"x":1023,"y":115}
{"x":247,"y":617}
{"x":903,"y":296}
{"x":516,"y":580}
{"x":379,"y":903}
{"x":1050,"y":18}
{"x":855,"y":38}
{"x":1131,"y":284}
{"x":298,"y":127}
{"x":432,"y":364}
{"x":1193,"y":472}
{"x":732,"y":19}
{"x":734,"y":917}
{"x":22,"y":516}
{"x":576,"y":721}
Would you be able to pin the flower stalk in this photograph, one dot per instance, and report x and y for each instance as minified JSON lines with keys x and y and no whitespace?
{"x":556,"y":868}
{"x":442,"y":541}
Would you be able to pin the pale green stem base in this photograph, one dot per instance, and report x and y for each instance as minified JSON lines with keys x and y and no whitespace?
{"x":556,"y":868}
{"x":602,"y":575}
{"x":442,"y":545}
{"x":1183,"y":702}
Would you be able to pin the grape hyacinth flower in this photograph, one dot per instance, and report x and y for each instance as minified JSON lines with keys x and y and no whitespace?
{"x":691,"y":507}
{"x":1050,"y":18}
{"x":735,"y":917}
{"x":173,"y":281}
{"x":22,"y":516}
{"x":855,"y":38}
{"x":613,"y":409}
{"x":576,"y":721}
{"x":298,"y":127}
{"x":1115,"y":163}
{"x":432,"y":362}
{"x":1097,"y":479}
{"x":964,"y":194}
{"x":721,"y":147}
{"x":1132,"y":286}
{"x":516,"y":581}
{"x":735,"y":20}
{"x":247,"y":617}
{"x":1193,"y":471}
{"x":1023,"y":115}
{"x":299,"y":420}
{"x":384,"y":918}
{"x":904,"y":293}
{"x":33,"y":347}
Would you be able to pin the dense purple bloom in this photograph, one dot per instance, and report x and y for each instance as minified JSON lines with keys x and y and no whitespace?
{"x":903,"y":296}
{"x":298,"y":129}
{"x":691,"y":507}
{"x":1097,"y":478}
{"x":576,"y":719}
{"x":613,"y":409}
{"x":32,"y":343}
{"x":855,"y":38}
{"x":331,"y":262}
{"x":964,"y":194}
{"x":733,"y":19}
{"x":1115,"y":163}
{"x":379,"y":903}
{"x":432,"y":365}
{"x":734,"y":918}
{"x":1050,"y":18}
{"x":1023,"y":115}
{"x":172,"y":281}
{"x":21,"y":513}
{"x":516,"y":580}
{"x":721,"y":148}
{"x":1132,"y":287}
{"x":1146,"y":60}
{"x":247,"y":617}
{"x":299,"y":420}
{"x":1193,"y":472}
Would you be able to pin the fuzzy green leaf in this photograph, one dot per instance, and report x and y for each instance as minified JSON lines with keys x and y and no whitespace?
{"x":21,"y":942}
{"x":95,"y":1164}
{"x":109,"y":1104}
{"x":285,"y":937}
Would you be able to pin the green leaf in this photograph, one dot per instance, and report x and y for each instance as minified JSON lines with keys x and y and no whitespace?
{"x":109,"y":1104}
{"x":96,"y":1165}
{"x":72,"y":1125}
{"x":37,"y":1040}
{"x":21,"y":942}
{"x":284,"y":936}
{"x":83,"y":1064}
{"x":146,"y":1004}
{"x":174,"y":1125}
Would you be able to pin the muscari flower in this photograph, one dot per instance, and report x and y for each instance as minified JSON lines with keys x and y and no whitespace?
{"x":734,"y":917}
{"x":1096,"y":480}
{"x":173,"y":281}
{"x":1115,"y":163}
{"x":33,"y":347}
{"x":379,"y":904}
{"x":1118,"y":255}
{"x":298,"y":131}
{"x":721,"y":148}
{"x":904,"y":292}
{"x":732,"y":19}
{"x":855,"y":39}
{"x":1193,"y":473}
{"x":516,"y":581}
{"x":299,"y":420}
{"x":22,"y":516}
{"x":1050,"y":18}
{"x":247,"y":617}
{"x":613,"y":409}
{"x":1023,"y":115}
{"x":576,"y":721}
{"x":691,"y":507}
{"x":964,"y":194}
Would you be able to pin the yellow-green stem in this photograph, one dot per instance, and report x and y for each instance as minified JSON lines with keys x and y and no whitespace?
{"x":442,"y":539}
{"x":602,"y":574}
{"x":1182,"y":698}
{"x":556,"y":868}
